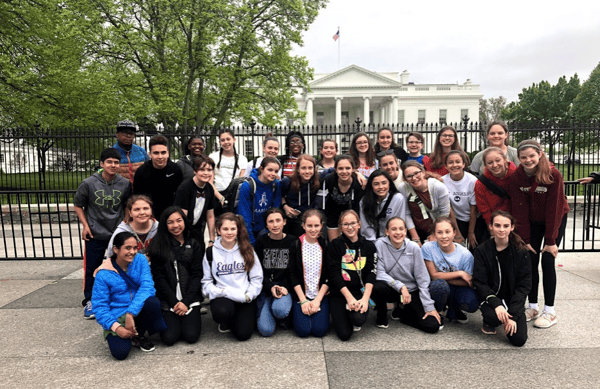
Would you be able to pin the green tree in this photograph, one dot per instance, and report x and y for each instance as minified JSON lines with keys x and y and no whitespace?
{"x":545,"y":107}
{"x":491,"y":109}
{"x":586,"y":106}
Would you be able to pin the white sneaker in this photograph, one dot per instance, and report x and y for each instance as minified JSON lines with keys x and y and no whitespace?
{"x":546,"y":320}
{"x":356,"y":329}
{"x":531,"y":313}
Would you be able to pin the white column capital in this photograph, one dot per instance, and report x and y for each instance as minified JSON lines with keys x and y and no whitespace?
{"x":310,"y":98}
{"x":339,"y":98}
{"x":367,"y":97}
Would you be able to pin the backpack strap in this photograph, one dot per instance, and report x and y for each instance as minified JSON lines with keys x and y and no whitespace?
{"x":494,"y":188}
{"x":209,"y":259}
{"x":382,"y":213}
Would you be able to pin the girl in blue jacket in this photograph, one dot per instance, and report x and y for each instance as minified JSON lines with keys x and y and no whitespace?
{"x":123,"y":299}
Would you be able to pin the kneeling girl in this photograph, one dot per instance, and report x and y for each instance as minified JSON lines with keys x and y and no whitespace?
{"x":232,"y":278}
{"x":351,"y":265}
{"x":308,"y":274}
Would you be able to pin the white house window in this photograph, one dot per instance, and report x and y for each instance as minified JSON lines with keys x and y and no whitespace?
{"x":463,"y":113}
{"x":249,"y":148}
{"x":1,"y":158}
{"x":400,"y":116}
{"x":345,"y":118}
{"x":320,"y":118}
{"x":443,"y":115}
{"x":371,"y":117}
{"x":421,"y":117}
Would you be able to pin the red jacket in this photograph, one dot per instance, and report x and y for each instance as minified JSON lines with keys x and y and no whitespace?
{"x":488,"y":202}
{"x":533,"y":202}
{"x":442,"y":171}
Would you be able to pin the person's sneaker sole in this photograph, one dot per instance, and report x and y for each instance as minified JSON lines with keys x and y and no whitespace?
{"x":547,"y":324}
{"x":225,"y":331}
{"x":136,"y":343}
{"x":383,"y":325}
{"x":488,"y":331}
{"x":356,"y":329}
{"x":533,"y":317}
{"x":90,"y":317}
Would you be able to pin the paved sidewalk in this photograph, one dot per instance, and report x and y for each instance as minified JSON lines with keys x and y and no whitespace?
{"x":46,"y":343}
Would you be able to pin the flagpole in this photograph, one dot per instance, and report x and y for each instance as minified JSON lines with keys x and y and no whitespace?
{"x":339,"y":45}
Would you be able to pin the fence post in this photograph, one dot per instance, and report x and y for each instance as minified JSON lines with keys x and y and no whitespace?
{"x":465,"y":127}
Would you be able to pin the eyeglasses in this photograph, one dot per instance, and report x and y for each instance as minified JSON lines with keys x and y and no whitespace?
{"x":296,"y":142}
{"x":365,"y":142}
{"x":385,"y":152}
{"x":447,"y":136}
{"x":348,"y":225}
{"x":408,"y":178}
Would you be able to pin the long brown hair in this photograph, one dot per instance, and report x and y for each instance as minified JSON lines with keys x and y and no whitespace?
{"x":543,"y":174}
{"x":438,"y":151}
{"x":296,"y":180}
{"x":370,"y":154}
{"x":243,"y":239}
{"x":513,"y":238}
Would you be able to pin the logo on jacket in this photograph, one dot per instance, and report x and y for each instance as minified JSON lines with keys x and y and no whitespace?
{"x":457,"y":199}
{"x":388,"y":211}
{"x":541,"y":189}
{"x":263,"y":200}
{"x":102,"y":199}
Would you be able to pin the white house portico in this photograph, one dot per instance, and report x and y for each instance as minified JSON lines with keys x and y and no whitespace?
{"x":384,"y":98}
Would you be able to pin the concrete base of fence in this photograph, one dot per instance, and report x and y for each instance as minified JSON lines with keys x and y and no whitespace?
{"x":42,"y":213}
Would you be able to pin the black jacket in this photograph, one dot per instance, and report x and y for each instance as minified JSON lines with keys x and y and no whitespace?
{"x":275,"y":260}
{"x":338,"y":264}
{"x":189,"y":266}
{"x":487,"y":277}
{"x":159,"y":184}
{"x":297,"y":267}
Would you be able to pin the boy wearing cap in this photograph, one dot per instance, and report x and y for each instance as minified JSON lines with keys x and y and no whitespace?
{"x":132,"y":156}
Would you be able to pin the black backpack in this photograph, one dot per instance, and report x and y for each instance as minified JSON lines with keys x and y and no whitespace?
{"x":232,"y":193}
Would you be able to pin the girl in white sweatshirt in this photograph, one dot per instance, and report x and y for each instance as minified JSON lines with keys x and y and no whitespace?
{"x":232,"y":278}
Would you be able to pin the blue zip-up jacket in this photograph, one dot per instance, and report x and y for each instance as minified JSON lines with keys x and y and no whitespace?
{"x":264,"y":198}
{"x":136,"y":154}
{"x":112,"y":298}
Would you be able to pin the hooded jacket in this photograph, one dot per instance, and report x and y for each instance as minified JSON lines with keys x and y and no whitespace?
{"x":112,"y":298}
{"x":397,"y":207}
{"x":403,"y":267}
{"x":306,"y":197}
{"x":264,"y":198}
{"x":188,"y":274}
{"x":226,"y":277}
{"x":103,"y":203}
{"x":124,"y":227}
{"x":440,"y":198}
{"x":342,"y":271}
{"x":487,"y":201}
{"x":487,"y":277}
{"x":533,"y":202}
{"x":333,"y":202}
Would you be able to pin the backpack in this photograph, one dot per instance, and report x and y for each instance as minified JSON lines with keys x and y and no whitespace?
{"x":232,"y":193}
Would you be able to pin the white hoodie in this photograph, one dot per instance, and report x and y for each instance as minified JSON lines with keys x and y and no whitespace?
{"x":227,"y":277}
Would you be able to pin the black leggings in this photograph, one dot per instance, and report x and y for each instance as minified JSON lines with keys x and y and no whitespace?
{"x":548,"y":270}
{"x":410,"y":314}
{"x":344,"y":320}
{"x":186,"y":327}
{"x":491,"y":319}
{"x":239,"y":318}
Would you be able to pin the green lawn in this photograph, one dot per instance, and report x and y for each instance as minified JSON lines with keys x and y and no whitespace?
{"x":54,"y":181}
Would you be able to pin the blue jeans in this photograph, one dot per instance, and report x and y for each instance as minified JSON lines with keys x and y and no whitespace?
{"x":270,"y":309}
{"x":456,"y":297}
{"x":316,"y":324}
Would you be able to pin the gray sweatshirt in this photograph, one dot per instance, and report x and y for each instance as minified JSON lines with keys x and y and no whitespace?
{"x":103,"y":203}
{"x":227,"y":277}
{"x":440,"y":198}
{"x":398,"y":207}
{"x":124,"y":227}
{"x":403,"y":267}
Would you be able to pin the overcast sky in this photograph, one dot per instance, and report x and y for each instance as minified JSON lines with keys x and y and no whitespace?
{"x":503,"y":46}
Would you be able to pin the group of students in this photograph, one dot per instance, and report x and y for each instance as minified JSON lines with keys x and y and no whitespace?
{"x":330,"y":239}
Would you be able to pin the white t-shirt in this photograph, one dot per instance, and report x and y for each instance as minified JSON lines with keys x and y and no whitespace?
{"x":462,"y":195}
{"x":312,"y":257}
{"x":224,"y":174}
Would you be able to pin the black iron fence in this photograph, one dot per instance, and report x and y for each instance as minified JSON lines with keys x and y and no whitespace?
{"x":40,"y":170}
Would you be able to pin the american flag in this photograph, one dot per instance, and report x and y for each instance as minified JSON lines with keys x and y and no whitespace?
{"x":337,"y":35}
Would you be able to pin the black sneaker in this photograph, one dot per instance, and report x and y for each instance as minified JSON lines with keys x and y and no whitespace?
{"x":383,"y":323}
{"x":461,"y":317}
{"x":441,"y":322}
{"x":143,"y":343}
{"x":223,"y":328}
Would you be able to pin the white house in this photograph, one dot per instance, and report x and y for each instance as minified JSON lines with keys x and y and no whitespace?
{"x":385,"y":98}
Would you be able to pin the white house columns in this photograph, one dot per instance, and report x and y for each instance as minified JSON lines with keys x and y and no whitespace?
{"x":394,"y":115}
{"x":366,"y":110}
{"x":338,"y":110}
{"x":309,"y":112}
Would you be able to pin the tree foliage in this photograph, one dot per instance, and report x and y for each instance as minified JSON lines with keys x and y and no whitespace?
{"x":586,"y":105}
{"x":491,"y":109}
{"x":175,"y":62}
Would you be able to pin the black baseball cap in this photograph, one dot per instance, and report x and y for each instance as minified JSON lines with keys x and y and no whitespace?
{"x":126,"y":125}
